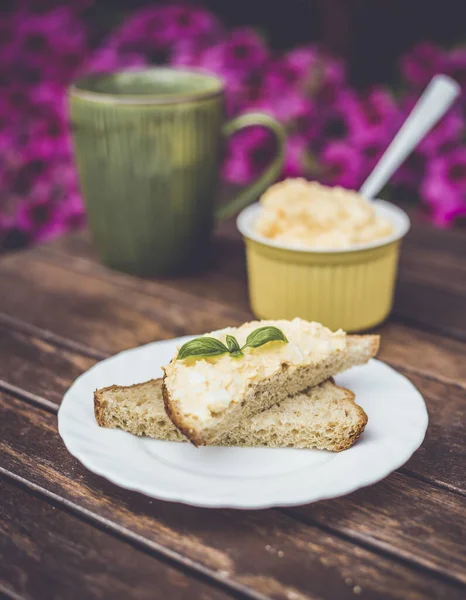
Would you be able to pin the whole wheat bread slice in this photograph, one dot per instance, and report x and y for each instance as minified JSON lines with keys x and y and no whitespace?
{"x":324,"y":417}
{"x":288,"y":381}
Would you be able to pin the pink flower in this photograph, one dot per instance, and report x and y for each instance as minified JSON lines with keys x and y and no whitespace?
{"x":154,"y":30}
{"x":3,"y":176}
{"x":9,"y":150}
{"x":138,"y":34}
{"x":421,"y":63}
{"x":27,"y":74}
{"x":70,"y":211}
{"x":375,"y":115}
{"x":249,"y":152}
{"x":294,"y":108}
{"x":309,"y":124}
{"x":242,"y":94}
{"x":74,"y":214}
{"x":65,"y":177}
{"x":294,"y":70}
{"x":187,"y":22}
{"x":330,"y":82}
{"x":9,"y":42}
{"x":110,"y":59}
{"x":186,"y":53}
{"x":44,"y":44}
{"x":40,"y":218}
{"x":341,"y":165}
{"x":411,"y":171}
{"x":53,"y":204}
{"x":236,"y":57}
{"x":371,"y":148}
{"x":444,"y":188}
{"x":48,"y":120}
{"x":288,"y":107}
{"x":445,"y":136}
{"x":337,"y":120}
{"x":55,"y":41}
{"x":35,"y":166}
{"x":333,"y":71}
{"x":16,"y":101}
{"x":451,"y":168}
{"x":303,"y":60}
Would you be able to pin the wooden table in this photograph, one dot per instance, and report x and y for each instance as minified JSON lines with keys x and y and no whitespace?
{"x":67,"y":533}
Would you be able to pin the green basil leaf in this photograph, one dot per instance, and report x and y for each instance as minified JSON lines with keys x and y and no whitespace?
{"x":262,"y":335}
{"x":201,"y":347}
{"x":232,"y":344}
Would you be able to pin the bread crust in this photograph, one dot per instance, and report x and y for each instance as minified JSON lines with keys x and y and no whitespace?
{"x":101,"y":405}
{"x":104,"y":413}
{"x":363,"y":419}
{"x":374,"y":342}
{"x":197,"y":436}
{"x":177,"y":418}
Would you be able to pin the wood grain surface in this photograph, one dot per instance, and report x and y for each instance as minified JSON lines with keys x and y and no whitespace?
{"x":47,"y":553}
{"x":41,"y":377}
{"x":239,"y":546}
{"x":61,"y":311}
{"x":117,"y":299}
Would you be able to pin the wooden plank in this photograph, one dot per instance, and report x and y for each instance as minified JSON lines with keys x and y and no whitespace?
{"x":429,"y":255}
{"x":44,"y":371}
{"x":422,"y":236}
{"x":38,"y":368}
{"x":423,"y":353}
{"x":262,"y":553}
{"x":36,"y":373}
{"x":424,"y":294}
{"x":432,"y":267}
{"x":37,"y":376}
{"x":431,"y":290}
{"x":222,"y":280}
{"x":388,"y":515}
{"x":440,"y":459}
{"x":126,"y":320}
{"x":95,"y":311}
{"x":39,"y":373}
{"x":435,"y":257}
{"x":47,"y":553}
{"x":434,"y":308}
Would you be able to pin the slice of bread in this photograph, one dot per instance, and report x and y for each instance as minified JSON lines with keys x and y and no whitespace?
{"x":207,"y":399}
{"x":324,"y":417}
{"x":137,"y":409}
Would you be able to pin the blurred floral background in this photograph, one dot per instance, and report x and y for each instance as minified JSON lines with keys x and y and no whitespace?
{"x":336,"y":131}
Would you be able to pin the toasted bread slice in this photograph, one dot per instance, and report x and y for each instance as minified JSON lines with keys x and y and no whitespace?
{"x":324,"y":417}
{"x":207,"y":399}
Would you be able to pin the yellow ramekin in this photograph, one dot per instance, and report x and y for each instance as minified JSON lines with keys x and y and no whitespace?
{"x":352,"y":288}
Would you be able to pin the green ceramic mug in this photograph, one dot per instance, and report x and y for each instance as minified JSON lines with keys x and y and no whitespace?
{"x":148,"y":146}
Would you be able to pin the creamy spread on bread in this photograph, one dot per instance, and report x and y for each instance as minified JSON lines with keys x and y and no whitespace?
{"x":207,"y":386}
{"x":306,"y":214}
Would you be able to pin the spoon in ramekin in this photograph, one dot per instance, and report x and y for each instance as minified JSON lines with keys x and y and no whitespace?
{"x":437,"y":98}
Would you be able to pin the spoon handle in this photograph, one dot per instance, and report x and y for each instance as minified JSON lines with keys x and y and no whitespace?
{"x":431,"y":106}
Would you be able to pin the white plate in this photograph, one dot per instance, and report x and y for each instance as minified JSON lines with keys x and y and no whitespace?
{"x":241,"y":477}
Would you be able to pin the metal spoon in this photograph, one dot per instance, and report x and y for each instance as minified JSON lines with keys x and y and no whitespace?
{"x":436,"y":99}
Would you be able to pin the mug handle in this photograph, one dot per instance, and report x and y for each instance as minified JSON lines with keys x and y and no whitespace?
{"x":270,"y":174}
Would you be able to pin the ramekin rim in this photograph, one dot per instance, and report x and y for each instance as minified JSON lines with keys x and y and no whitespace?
{"x":245,"y":230}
